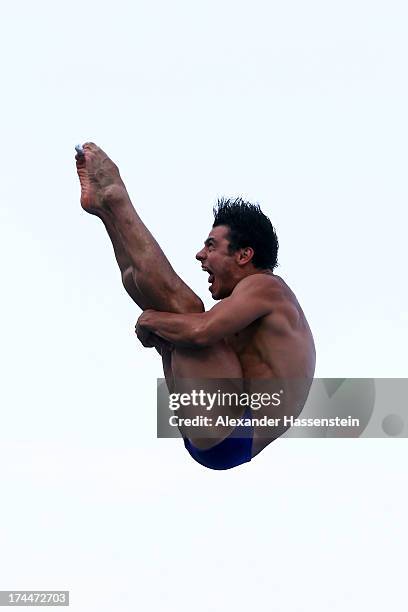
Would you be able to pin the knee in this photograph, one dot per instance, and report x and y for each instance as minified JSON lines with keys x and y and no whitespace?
{"x":195,"y":304}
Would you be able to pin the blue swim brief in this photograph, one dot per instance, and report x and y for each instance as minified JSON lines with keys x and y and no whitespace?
{"x":231,"y":452}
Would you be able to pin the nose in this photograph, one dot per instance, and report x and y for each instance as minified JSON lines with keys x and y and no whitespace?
{"x":200,"y":255}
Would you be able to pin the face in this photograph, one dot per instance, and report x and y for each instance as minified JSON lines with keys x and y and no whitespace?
{"x":217,"y":261}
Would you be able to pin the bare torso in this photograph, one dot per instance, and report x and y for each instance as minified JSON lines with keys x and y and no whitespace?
{"x":275,"y":352}
{"x":278,"y":345}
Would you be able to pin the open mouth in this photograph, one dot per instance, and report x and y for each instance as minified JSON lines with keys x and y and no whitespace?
{"x":211,"y":276}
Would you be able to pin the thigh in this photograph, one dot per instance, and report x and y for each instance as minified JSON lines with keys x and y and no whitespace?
{"x":212,"y":371}
{"x":167,"y":369}
{"x":213,"y":362}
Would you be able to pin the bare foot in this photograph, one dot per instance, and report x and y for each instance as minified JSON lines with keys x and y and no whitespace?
{"x":99,"y":178}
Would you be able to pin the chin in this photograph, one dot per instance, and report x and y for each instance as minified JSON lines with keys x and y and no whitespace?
{"x":220,"y":294}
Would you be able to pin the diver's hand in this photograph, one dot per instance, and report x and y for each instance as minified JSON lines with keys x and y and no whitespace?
{"x":147,"y":338}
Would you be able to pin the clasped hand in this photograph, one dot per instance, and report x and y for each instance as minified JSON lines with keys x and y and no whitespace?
{"x":147,"y":337}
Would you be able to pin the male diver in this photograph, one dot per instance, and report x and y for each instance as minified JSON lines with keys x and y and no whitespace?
{"x":255,"y":334}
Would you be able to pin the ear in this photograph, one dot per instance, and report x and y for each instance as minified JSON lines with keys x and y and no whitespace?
{"x":244,"y":255}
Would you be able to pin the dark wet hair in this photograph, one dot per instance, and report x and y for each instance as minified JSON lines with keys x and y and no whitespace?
{"x":249,"y":227}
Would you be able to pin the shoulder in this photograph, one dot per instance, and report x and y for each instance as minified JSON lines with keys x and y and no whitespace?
{"x":261,"y":283}
{"x":273,"y":293}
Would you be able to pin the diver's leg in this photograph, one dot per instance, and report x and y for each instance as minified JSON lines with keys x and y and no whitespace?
{"x":103,"y":193}
{"x":124,"y":264}
{"x":149,"y":278}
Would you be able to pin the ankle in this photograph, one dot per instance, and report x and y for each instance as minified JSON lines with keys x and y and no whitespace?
{"x":113,"y":196}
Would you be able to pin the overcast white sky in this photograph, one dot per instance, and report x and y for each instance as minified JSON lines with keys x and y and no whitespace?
{"x":298,"y":106}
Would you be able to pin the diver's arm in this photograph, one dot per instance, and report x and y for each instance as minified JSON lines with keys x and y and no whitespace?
{"x":250,"y":300}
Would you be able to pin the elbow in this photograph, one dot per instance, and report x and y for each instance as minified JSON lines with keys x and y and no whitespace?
{"x":201,"y":343}
{"x":202,"y":338}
